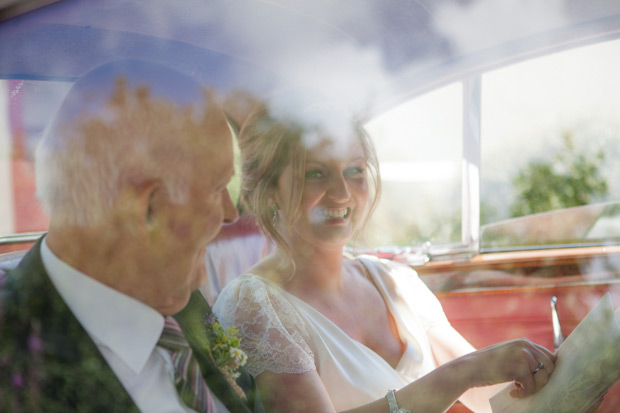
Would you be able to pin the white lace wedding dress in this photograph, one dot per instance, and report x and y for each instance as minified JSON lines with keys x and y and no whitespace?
{"x":282,"y":334}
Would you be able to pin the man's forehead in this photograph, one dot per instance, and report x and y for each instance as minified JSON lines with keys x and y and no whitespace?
{"x":96,"y":89}
{"x":217,"y":155}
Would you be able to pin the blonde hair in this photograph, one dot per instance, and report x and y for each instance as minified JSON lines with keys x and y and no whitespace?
{"x":268,"y":145}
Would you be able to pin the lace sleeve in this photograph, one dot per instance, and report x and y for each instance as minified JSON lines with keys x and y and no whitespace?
{"x":272,"y":333}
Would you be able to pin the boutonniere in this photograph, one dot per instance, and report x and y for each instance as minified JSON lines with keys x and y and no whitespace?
{"x":225,"y":352}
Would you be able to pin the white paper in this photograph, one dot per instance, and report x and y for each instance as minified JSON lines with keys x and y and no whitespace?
{"x":588,"y":363}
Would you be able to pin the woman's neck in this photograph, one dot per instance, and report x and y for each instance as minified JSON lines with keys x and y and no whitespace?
{"x":316,"y":269}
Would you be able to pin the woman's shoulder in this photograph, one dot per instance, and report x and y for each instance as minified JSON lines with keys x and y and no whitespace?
{"x":253,"y":294}
{"x":247,"y":286}
{"x":392,"y":276}
{"x":383,"y":265}
{"x":246,"y":280}
{"x":272,"y":332}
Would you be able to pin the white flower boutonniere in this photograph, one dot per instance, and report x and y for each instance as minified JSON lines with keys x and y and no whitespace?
{"x":225,"y":352}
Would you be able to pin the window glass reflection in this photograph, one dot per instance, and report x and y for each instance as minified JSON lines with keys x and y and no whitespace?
{"x":25,"y":108}
{"x":550,"y":135}
{"x":419,"y":145}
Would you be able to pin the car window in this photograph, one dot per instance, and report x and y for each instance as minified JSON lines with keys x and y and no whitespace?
{"x":549,"y":137}
{"x":497,"y":127}
{"x":550,"y":142}
{"x":465,"y":117}
{"x":25,"y":108}
{"x":419,"y":145}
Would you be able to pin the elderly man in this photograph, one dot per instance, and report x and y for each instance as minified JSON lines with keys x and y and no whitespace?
{"x":133,"y":172}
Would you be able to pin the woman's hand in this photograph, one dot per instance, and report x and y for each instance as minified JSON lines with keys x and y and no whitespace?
{"x":528,"y":364}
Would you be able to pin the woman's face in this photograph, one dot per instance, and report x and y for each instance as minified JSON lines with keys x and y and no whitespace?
{"x":334,"y":196}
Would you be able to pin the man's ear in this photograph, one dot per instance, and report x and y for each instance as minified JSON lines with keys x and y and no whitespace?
{"x":150,"y":199}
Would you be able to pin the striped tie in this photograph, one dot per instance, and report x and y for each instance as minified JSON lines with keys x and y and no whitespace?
{"x":187,"y":375}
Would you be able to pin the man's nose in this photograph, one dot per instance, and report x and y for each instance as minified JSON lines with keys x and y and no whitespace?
{"x":230,"y":210}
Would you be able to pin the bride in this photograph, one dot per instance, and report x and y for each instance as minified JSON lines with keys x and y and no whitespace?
{"x":324,"y":332}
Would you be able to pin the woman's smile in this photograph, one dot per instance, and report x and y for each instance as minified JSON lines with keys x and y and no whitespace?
{"x":333,"y":214}
{"x":333,"y":197}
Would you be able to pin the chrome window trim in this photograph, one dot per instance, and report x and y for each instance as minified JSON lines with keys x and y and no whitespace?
{"x":491,"y":250}
{"x":470,"y":196}
{"x":21,"y":238}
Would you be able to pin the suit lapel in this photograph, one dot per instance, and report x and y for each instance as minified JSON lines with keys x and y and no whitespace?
{"x":75,"y":374}
{"x":73,"y":371}
{"x":192,"y":321}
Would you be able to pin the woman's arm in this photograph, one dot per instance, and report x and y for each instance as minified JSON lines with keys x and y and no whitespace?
{"x":448,"y":344}
{"x":505,"y":362}
{"x":435,"y":392}
{"x":302,"y":392}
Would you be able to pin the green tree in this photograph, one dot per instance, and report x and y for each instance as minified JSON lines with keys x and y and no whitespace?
{"x":569,"y":179}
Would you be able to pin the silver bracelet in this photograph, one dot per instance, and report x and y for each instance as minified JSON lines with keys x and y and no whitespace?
{"x":391,"y":399}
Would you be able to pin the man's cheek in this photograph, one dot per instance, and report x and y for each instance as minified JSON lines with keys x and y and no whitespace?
{"x":181,"y":230}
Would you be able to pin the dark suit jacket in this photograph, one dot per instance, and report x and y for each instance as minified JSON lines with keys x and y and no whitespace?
{"x":48,"y":363}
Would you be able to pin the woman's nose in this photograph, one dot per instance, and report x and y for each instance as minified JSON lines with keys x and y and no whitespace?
{"x":338,"y":189}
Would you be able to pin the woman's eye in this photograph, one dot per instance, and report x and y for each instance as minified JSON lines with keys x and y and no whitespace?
{"x":354,"y":171}
{"x":314,"y":174}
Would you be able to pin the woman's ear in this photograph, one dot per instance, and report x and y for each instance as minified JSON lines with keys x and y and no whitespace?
{"x":273,"y":197}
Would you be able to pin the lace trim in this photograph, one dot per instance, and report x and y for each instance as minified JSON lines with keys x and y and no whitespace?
{"x":272,"y":332}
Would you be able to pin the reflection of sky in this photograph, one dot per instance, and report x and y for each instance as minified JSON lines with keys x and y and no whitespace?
{"x":418,"y":171}
{"x":550,"y":95}
{"x":360,"y":54}
{"x":526,"y":110}
{"x":424,"y":129}
{"x":529,"y":107}
{"x":352,"y":51}
{"x":41,"y":99}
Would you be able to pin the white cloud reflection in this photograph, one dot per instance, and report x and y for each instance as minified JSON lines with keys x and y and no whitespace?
{"x":361,"y":55}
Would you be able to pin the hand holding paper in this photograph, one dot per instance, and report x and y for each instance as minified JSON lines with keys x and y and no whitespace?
{"x":587,"y":365}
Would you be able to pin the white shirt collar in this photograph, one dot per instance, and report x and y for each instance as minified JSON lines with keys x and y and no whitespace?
{"x":128,"y":327}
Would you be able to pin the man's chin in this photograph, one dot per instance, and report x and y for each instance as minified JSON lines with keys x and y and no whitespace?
{"x":200,"y":270}
{"x":200,"y":276}
{"x":176,"y":305}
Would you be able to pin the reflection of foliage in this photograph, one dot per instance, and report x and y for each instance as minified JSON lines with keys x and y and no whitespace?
{"x":403,"y":232}
{"x":446,"y":229}
{"x":411,"y":214}
{"x":569,"y":179}
{"x":488,"y":213}
{"x":612,"y":210}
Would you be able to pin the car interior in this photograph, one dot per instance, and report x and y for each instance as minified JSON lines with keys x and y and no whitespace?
{"x":496,"y":125}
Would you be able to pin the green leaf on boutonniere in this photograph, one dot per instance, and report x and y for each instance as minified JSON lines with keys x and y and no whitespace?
{"x":223,"y":348}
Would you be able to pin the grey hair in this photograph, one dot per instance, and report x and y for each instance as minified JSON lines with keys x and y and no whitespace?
{"x":125,"y":136}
